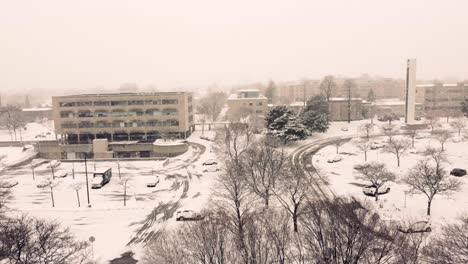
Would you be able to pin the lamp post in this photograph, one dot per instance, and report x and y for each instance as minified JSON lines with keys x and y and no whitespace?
{"x":86,"y":173}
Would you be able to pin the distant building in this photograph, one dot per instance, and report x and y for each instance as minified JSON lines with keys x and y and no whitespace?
{"x":140,"y":117}
{"x":296,"y":92}
{"x":338,"y":108}
{"x":246,"y":103}
{"x":38,"y":113}
{"x":442,"y":97}
{"x":395,"y":106}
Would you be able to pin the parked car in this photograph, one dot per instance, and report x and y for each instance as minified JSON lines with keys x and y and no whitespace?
{"x":210,"y":162}
{"x":334,"y":159}
{"x":205,"y":138}
{"x":54,"y":164}
{"x":361,"y":166}
{"x":371,"y":190}
{"x":101,"y":178}
{"x":62,"y":174}
{"x":458,"y":172}
{"x":152,"y":181}
{"x":344,"y":129}
{"x":8,"y":184}
{"x":184,"y":215}
{"x":420,"y":137}
{"x":376,"y":145}
{"x":39,"y":136}
{"x":211,"y":169}
{"x":417,"y":227}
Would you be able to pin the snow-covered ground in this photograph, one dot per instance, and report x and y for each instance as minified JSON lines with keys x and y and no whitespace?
{"x":32,"y":131}
{"x":396,"y":204}
{"x":116,"y":227}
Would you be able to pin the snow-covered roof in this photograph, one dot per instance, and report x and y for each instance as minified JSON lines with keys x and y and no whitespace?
{"x":36,"y":109}
{"x":450,"y":85}
{"x":248,"y":90}
{"x":101,"y":170}
{"x":124,"y":142}
{"x":236,"y":97}
{"x":389,"y":101}
{"x":162,"y":142}
{"x":425,"y":85}
{"x":336,"y":99}
{"x":298,"y":103}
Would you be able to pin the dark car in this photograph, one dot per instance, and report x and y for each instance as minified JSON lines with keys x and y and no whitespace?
{"x":458,"y":172}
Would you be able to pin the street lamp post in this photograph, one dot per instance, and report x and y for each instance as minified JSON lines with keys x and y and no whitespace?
{"x":86,"y":173}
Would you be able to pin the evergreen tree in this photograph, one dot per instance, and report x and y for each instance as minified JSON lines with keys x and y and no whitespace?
{"x":465,"y":108}
{"x":270,"y":91}
{"x":293,"y":130}
{"x":371,"y":96}
{"x":315,"y":115}
{"x":277,"y":117}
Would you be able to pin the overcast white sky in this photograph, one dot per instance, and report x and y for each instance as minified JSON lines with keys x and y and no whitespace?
{"x":87,"y":43}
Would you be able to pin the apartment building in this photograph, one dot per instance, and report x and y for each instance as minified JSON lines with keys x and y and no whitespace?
{"x":338,"y":108}
{"x":298,"y":92}
{"x":142,"y":117}
{"x":246,"y":103}
{"x":442,"y":97}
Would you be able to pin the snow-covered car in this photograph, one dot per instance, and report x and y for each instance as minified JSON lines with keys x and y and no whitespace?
{"x":152,"y":181}
{"x":416,"y":227}
{"x":211,"y":169}
{"x":414,"y":151}
{"x":458,"y":172}
{"x":361,"y":166}
{"x":420,"y":137}
{"x":388,"y":128}
{"x":334,"y":159}
{"x":62,"y":174}
{"x":344,"y":129}
{"x":205,"y":138}
{"x":44,"y":183}
{"x":39,"y":136}
{"x":210,"y":162}
{"x":376,"y":145}
{"x":8,"y":184}
{"x":184,"y":215}
{"x":54,"y":164}
{"x":371,"y":190}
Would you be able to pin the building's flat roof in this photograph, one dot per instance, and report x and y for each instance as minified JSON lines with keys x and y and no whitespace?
{"x":248,"y":90}
{"x":235,"y":97}
{"x":36,"y":109}
{"x":101,"y":171}
{"x":120,"y":94}
{"x":345,"y":99}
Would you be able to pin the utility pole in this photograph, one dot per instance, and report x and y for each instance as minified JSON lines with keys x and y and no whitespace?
{"x":86,"y":173}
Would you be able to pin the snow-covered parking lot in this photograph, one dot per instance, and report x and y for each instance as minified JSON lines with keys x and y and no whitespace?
{"x":397,"y":204}
{"x":116,"y":227}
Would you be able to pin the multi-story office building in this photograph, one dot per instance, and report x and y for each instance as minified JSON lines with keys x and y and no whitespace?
{"x":442,"y":97}
{"x":298,"y":92}
{"x":246,"y":103}
{"x":142,"y":117}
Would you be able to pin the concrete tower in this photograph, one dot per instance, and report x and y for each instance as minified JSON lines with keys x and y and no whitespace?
{"x":410,"y":106}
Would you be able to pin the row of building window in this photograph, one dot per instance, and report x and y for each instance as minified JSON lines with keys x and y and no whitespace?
{"x":122,"y":124}
{"x":251,"y":104}
{"x":119,"y":103}
{"x":119,"y":113}
{"x":454,"y":99}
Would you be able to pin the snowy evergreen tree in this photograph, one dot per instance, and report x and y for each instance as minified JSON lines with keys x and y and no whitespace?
{"x":315,"y":115}
{"x":294,"y":130}
{"x":277,"y":117}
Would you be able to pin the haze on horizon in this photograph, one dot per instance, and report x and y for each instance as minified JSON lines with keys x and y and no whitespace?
{"x":71,"y":44}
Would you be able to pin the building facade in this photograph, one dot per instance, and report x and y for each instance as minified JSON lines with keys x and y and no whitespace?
{"x":338,"y":108}
{"x":246,"y":103}
{"x":141,"y":117}
{"x":442,"y":97}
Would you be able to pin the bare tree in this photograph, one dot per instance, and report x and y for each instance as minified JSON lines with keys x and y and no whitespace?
{"x":367,"y":128}
{"x":338,"y":144}
{"x":124,"y":181}
{"x":377,"y":174}
{"x":442,"y":136}
{"x":397,"y":147}
{"x":429,"y":180}
{"x":437,"y":155}
{"x":233,"y":142}
{"x":458,"y":124}
{"x":29,"y":240}
{"x":328,"y":86}
{"x":263,"y":165}
{"x":166,"y":248}
{"x":451,"y":246}
{"x":292,"y":193}
{"x":51,"y":184}
{"x":211,"y":105}
{"x":432,"y":120}
{"x":13,"y":120}
{"x":364,"y":146}
{"x":5,"y":192}
{"x":412,"y":134}
{"x":77,"y":187}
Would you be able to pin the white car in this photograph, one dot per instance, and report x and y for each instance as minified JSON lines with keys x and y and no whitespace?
{"x":210,"y":162}
{"x":54,"y":164}
{"x":153,"y":181}
{"x":371,"y":190}
{"x":344,"y":129}
{"x":420,"y":137}
{"x":61,"y":174}
{"x":211,"y":169}
{"x":8,"y":184}
{"x":184,"y":215}
{"x":334,"y":159}
{"x":376,"y":145}
{"x":417,"y":227}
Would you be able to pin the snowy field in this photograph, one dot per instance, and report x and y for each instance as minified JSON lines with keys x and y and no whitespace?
{"x":397,"y":205}
{"x":116,"y":227}
{"x":32,"y":131}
